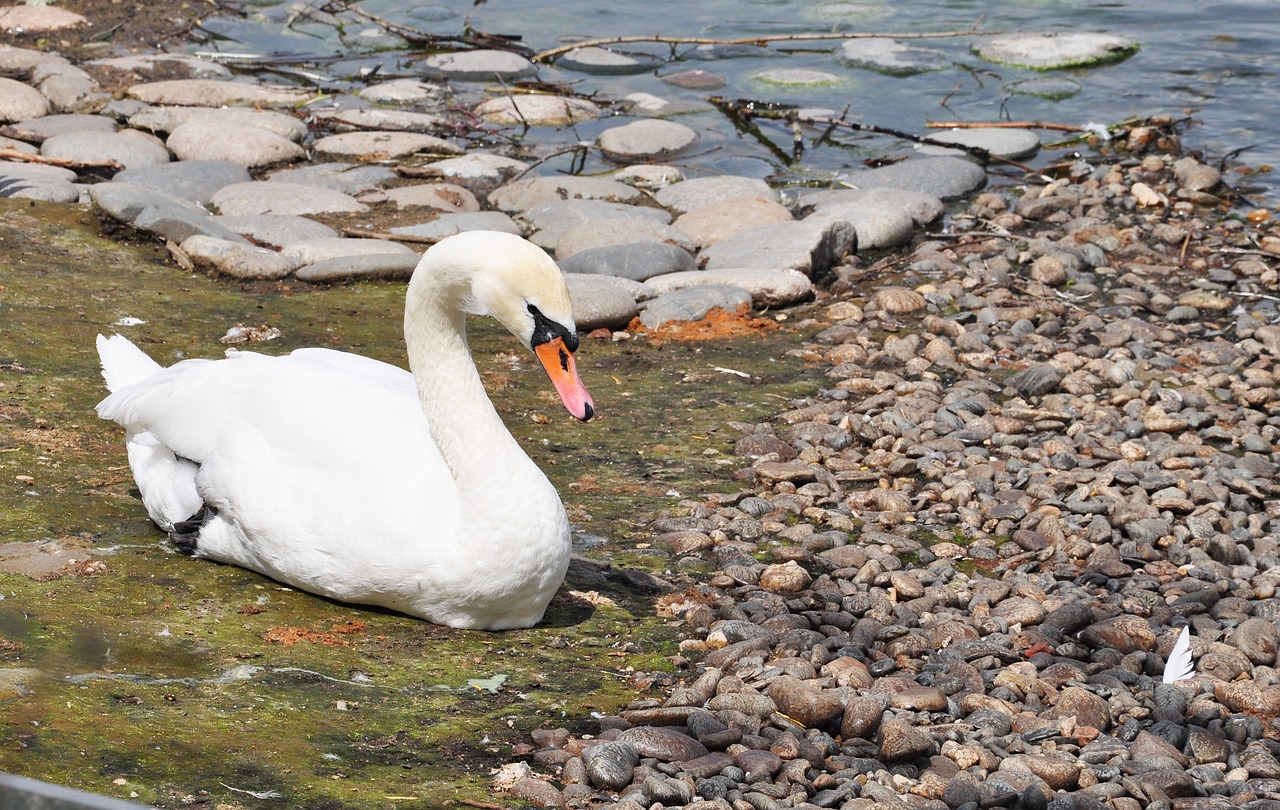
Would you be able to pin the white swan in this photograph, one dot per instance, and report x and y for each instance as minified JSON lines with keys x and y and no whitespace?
{"x":358,"y":480}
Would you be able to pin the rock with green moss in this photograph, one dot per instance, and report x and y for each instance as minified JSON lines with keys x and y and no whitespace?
{"x":1054,"y":51}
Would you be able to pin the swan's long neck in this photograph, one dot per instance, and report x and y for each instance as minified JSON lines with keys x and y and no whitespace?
{"x":471,"y":436}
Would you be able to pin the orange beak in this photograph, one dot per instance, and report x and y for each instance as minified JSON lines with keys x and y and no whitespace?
{"x":558,"y":361}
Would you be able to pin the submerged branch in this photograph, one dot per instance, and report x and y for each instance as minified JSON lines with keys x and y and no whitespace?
{"x":1003,"y":125}
{"x":762,"y":41}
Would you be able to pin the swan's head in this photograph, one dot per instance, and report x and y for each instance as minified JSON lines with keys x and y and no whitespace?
{"x":519,"y":285}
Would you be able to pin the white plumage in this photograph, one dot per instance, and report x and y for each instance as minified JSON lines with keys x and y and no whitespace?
{"x":1180,"y":666}
{"x":356,"y":479}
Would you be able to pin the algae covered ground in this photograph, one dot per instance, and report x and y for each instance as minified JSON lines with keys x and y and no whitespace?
{"x":129,"y":670}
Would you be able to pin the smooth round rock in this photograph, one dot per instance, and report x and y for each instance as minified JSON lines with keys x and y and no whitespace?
{"x":383,"y":145}
{"x":38,"y":129}
{"x":38,"y":19}
{"x":1052,"y":88}
{"x":797,"y":77}
{"x":318,"y":250}
{"x":813,"y":248}
{"x":213,"y":93}
{"x":689,"y":194}
{"x":227,"y":119}
{"x":999,"y":141}
{"x":377,"y":118}
{"x":236,"y":259}
{"x":609,"y":232}
{"x":251,"y":147}
{"x":441,"y":196}
{"x":276,"y":230}
{"x":886,"y":55}
{"x":610,"y":765}
{"x":663,"y":743}
{"x":18,"y":102}
{"x":195,"y":180}
{"x":767,"y":286}
{"x":550,"y":221}
{"x":604,"y":62}
{"x":601,"y":302}
{"x":478,"y":170}
{"x":400,"y":91}
{"x":635,"y":260}
{"x":398,"y":266}
{"x":449,"y":224}
{"x":649,"y":139}
{"x":479,"y":66}
{"x":128,"y":147}
{"x":282,"y":198}
{"x":693,"y":304}
{"x":718,"y":220}
{"x":348,"y":178}
{"x":537,"y":110}
{"x":877,"y":225}
{"x":528,"y":193}
{"x":943,"y":177}
{"x":1055,"y":51}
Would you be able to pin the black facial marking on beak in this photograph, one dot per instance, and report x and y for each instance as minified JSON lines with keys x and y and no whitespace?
{"x":546,"y":330}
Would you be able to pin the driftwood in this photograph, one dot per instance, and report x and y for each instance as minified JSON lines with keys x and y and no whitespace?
{"x":65,"y":163}
{"x":1003,"y":125}
{"x":762,"y":41}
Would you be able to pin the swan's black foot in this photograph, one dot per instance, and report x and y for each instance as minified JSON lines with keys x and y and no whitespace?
{"x":186,"y":532}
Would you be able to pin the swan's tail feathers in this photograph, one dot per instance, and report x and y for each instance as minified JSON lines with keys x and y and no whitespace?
{"x":124,"y":363}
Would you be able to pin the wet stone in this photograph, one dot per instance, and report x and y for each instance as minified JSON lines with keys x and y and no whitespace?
{"x":886,"y":55}
{"x":251,"y":147}
{"x":609,"y":765}
{"x":537,"y":110}
{"x":663,"y":744}
{"x":479,"y":66}
{"x":1003,"y":142}
{"x":602,"y":61}
{"x":943,"y":177}
{"x":1055,"y":51}
{"x":647,"y":139}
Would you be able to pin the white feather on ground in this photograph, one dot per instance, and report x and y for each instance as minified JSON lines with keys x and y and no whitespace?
{"x":1179,"y":666}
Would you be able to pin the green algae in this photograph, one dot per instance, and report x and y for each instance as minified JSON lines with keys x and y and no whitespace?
{"x":169,"y":681}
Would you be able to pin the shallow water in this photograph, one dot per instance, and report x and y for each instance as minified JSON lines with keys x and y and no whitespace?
{"x":1215,"y":62}
{"x":144,"y":674}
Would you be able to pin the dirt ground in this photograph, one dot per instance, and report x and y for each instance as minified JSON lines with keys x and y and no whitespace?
{"x":119,"y":27}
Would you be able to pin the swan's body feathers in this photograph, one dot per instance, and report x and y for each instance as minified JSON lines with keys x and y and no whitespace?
{"x":353,"y":478}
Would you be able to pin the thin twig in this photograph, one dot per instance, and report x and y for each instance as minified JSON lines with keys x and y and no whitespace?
{"x":66,"y":163}
{"x":762,"y":41}
{"x":1003,"y":125}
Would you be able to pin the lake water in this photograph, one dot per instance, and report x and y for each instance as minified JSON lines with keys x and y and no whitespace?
{"x":1216,"y":62}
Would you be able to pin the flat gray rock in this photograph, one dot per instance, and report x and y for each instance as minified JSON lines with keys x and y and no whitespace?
{"x":376,"y":118}
{"x":946,"y":178}
{"x":36,"y":130}
{"x":251,"y":147}
{"x":382,"y":145}
{"x":684,"y":196}
{"x":213,"y":93}
{"x":194,"y":180}
{"x":1007,"y":142}
{"x":797,"y":77}
{"x":693,"y":304}
{"x":283,"y":198}
{"x":348,"y":178}
{"x":479,"y":66}
{"x":537,"y":110}
{"x":609,"y":232}
{"x":128,"y":147}
{"x":810,"y":248}
{"x":276,"y":230}
{"x":193,"y":66}
{"x":448,"y":197}
{"x":149,"y":210}
{"x":449,"y":224}
{"x":921,"y":207}
{"x":479,"y":170}
{"x":1053,"y":88}
{"x":768,"y":287}
{"x":167,"y":119}
{"x":604,"y":62}
{"x":24,"y":60}
{"x":636,"y":261}
{"x":37,"y":172}
{"x":311,"y":251}
{"x":550,"y":221}
{"x":1055,"y":51}
{"x":887,"y":55}
{"x":647,"y":139}
{"x":236,"y":259}
{"x":876,"y":225}
{"x":13,"y":145}
{"x":716,"y":221}
{"x":47,"y":190}
{"x":376,"y":265}
{"x":67,"y":87}
{"x":528,"y":193}
{"x":601,"y":302}
{"x":401,"y":91}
